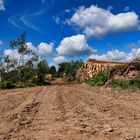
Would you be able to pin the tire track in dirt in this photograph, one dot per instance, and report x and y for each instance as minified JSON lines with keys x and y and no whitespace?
{"x":80,"y":118}
{"x":20,"y":117}
{"x":15,"y":102}
{"x":23,"y":121}
{"x":50,"y":119}
{"x":123,"y":118}
{"x":72,"y":112}
{"x":5,"y":93}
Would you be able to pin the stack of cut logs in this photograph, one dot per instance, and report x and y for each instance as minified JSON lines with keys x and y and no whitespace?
{"x":93,"y":67}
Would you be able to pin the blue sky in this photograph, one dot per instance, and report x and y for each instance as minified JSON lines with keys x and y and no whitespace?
{"x":63,"y":30}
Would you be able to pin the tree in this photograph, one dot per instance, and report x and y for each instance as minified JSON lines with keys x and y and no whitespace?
{"x":52,"y":71}
{"x":68,"y":70}
{"x":63,"y":68}
{"x":7,"y":62}
{"x":42,"y":70}
{"x":2,"y":70}
{"x":1,"y":58}
{"x":25,"y":70}
{"x":20,"y":44}
{"x":10,"y":63}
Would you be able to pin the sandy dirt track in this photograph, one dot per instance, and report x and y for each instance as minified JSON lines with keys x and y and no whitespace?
{"x":69,"y":112}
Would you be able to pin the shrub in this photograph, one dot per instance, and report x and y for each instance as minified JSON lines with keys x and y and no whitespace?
{"x":135,"y":82}
{"x":68,"y":70}
{"x":125,"y":84}
{"x":99,"y":79}
{"x":7,"y":85}
{"x":29,"y":85}
{"x":120,"y":83}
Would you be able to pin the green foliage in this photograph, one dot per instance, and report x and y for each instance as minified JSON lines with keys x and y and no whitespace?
{"x":21,"y":73}
{"x":9,"y":63}
{"x":42,"y":70}
{"x":68,"y":70}
{"x":26,"y":74}
{"x":7,"y":85}
{"x":29,"y":85}
{"x":11,"y":76}
{"x":127,"y":84}
{"x":135,"y":82}
{"x":52,"y":71}
{"x":63,"y":68}
{"x":99,"y":79}
{"x":120,"y":83}
{"x":20,"y":44}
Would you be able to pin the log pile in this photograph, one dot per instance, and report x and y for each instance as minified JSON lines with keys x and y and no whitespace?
{"x":93,"y":67}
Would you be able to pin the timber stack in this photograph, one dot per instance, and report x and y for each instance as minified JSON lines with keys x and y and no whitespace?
{"x":93,"y":67}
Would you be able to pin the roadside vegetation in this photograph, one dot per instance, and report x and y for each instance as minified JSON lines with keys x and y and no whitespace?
{"x":35,"y":71}
{"x":133,"y":84}
{"x":117,"y":77}
{"x":99,"y":79}
{"x":23,"y":72}
{"x":68,"y":70}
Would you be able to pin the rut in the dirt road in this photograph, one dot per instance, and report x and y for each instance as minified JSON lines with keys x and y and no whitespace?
{"x":69,"y":112}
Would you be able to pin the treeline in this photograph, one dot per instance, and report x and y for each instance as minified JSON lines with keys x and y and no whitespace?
{"x":31,"y":71}
{"x":18,"y":71}
{"x":68,"y":70}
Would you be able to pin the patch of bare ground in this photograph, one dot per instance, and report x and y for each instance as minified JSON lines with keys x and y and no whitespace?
{"x":69,"y":112}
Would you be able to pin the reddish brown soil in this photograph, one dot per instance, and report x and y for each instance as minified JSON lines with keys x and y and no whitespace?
{"x":69,"y":112}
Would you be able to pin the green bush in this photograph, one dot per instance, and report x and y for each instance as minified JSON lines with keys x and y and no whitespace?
{"x":127,"y":84}
{"x":135,"y":81}
{"x":24,"y":85}
{"x":68,"y":70}
{"x":7,"y":85}
{"x":99,"y":79}
{"x":29,"y":85}
{"x":120,"y":83}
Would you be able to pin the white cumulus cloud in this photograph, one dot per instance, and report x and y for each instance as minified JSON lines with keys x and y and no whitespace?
{"x":59,"y":59}
{"x":12,"y":53}
{"x":97,"y":22}
{"x":74,"y":46}
{"x":45,"y":49}
{"x":117,"y":55}
{"x":135,"y":53}
{"x":2,"y":7}
{"x":31,"y":47}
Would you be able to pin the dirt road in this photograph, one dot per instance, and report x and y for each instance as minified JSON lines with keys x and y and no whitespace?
{"x":69,"y":112}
